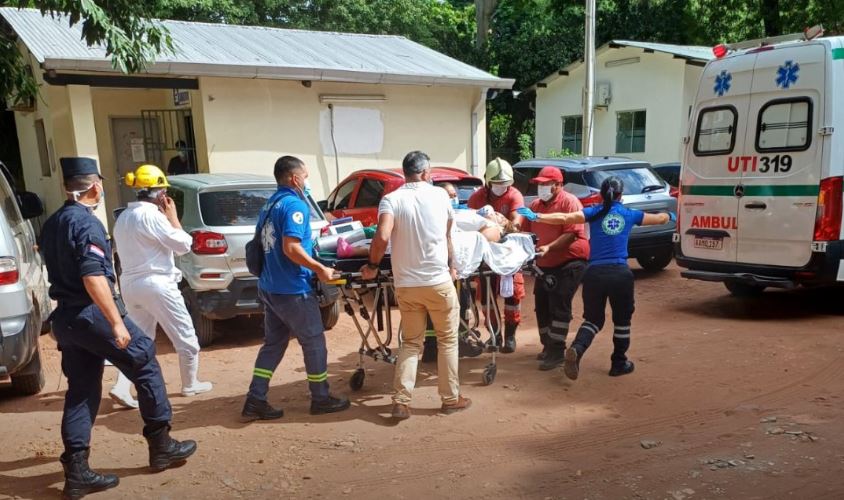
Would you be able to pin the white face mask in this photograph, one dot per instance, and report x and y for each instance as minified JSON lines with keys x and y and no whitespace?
{"x":544,"y":192}
{"x":499,"y":189}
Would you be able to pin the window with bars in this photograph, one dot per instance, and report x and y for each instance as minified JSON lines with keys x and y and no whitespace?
{"x":573,"y":133}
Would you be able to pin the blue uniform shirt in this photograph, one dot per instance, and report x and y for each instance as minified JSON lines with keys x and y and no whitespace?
{"x":291,"y":216}
{"x":74,"y":245}
{"x":608,"y":235}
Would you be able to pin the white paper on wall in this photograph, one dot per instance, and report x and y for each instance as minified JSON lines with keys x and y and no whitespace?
{"x":357,"y":131}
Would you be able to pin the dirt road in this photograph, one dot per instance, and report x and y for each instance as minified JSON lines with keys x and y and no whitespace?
{"x":731,"y":398}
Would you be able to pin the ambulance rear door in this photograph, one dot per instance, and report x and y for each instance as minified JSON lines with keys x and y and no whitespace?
{"x":777,"y":209}
{"x":709,"y":206}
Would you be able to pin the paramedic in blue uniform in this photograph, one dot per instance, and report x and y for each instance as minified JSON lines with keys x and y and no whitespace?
{"x":291,"y":308}
{"x":90,"y":326}
{"x":607,"y":276}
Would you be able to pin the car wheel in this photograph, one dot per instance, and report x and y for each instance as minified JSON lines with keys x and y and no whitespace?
{"x":656,"y":261}
{"x":30,"y":380}
{"x":738,"y":289}
{"x":203,"y":325}
{"x":330,"y":314}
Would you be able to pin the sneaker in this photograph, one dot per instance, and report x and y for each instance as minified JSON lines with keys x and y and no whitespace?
{"x":197,"y":388}
{"x":330,"y":405}
{"x":553,"y":359}
{"x":256,"y":409}
{"x":461,"y":404}
{"x":626,"y":368}
{"x":125,"y":400}
{"x":400,"y":411}
{"x":571,"y":364}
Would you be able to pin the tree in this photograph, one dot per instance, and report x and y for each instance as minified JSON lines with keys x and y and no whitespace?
{"x":130,"y":38}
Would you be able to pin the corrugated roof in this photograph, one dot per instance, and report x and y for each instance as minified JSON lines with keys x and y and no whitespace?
{"x":688,"y":52}
{"x":256,"y":52}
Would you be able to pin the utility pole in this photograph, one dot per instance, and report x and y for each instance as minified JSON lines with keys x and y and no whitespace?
{"x":589,"y":89}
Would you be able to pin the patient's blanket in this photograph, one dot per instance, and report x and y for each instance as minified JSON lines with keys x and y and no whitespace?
{"x":507,"y":257}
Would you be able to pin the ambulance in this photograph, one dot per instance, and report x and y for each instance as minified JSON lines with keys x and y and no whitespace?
{"x":761,"y":181}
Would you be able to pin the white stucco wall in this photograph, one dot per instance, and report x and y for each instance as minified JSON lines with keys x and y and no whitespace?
{"x":658,"y":83}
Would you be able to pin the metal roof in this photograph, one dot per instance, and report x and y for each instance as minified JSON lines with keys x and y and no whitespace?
{"x":695,"y":53}
{"x":581,"y":162}
{"x":257,"y":52}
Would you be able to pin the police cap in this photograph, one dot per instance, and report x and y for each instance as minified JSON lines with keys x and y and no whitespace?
{"x":75,"y":166}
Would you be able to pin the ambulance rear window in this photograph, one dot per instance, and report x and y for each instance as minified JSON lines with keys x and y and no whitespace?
{"x":716,"y":131}
{"x":784,"y":125}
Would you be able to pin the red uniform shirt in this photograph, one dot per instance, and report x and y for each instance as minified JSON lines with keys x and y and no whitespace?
{"x":505,"y":204}
{"x":566,"y":203}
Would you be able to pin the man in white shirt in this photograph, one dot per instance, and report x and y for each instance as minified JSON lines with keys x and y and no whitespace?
{"x":147,"y":235}
{"x":416,"y":219}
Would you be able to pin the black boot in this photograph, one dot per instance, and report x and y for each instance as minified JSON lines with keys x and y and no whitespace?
{"x":330,"y":405}
{"x":79,"y":479}
{"x":256,"y":409}
{"x":488,"y":344}
{"x":165,"y":451}
{"x":622,"y":369}
{"x":509,"y":339}
{"x":467,"y":348}
{"x":554,"y":355}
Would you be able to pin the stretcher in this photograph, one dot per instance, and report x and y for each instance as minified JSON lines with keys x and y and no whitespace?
{"x":375,"y":326}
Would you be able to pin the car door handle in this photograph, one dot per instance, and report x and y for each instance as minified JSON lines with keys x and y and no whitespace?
{"x":756,"y":206}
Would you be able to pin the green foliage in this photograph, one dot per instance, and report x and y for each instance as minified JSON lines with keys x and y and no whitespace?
{"x":525,"y":142}
{"x":499,"y":130}
{"x":559,"y":153}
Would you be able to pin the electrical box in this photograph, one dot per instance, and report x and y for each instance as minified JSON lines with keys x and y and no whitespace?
{"x":603,"y":95}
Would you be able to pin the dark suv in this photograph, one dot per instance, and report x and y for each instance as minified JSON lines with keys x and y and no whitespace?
{"x":644,"y":190}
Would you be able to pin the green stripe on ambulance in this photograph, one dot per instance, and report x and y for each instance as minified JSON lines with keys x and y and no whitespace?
{"x":769,"y":190}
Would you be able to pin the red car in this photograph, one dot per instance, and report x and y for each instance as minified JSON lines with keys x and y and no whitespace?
{"x":358,"y":195}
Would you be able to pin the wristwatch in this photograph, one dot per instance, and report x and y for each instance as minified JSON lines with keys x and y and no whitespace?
{"x":372,"y":266}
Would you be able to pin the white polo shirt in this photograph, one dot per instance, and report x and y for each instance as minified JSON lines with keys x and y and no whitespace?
{"x":419,"y":250}
{"x":146,"y":242}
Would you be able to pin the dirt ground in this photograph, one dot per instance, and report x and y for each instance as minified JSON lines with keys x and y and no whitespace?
{"x":731,"y":398}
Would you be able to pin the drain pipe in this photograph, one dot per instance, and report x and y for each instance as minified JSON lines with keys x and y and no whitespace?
{"x":475,"y":153}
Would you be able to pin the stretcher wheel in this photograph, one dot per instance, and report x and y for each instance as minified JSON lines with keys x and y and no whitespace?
{"x":490,"y":372}
{"x":356,"y":382}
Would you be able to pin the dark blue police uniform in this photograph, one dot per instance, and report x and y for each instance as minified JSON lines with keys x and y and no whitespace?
{"x":74,"y":246}
{"x":608,"y":277}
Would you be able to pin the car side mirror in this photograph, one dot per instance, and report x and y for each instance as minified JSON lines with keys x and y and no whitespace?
{"x":323,"y":205}
{"x":30,"y":205}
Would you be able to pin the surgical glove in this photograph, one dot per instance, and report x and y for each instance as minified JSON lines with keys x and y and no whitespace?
{"x":527,"y":213}
{"x":672,"y":216}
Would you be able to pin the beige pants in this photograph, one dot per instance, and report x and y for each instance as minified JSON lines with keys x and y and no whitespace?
{"x":416,"y":304}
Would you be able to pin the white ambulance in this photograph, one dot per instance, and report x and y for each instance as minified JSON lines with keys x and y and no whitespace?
{"x":761,"y":183}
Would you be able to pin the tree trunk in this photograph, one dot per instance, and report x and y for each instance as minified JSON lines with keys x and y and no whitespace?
{"x":771,"y":17}
{"x":483,"y":13}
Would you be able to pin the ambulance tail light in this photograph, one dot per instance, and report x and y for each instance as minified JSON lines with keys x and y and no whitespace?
{"x":208,"y":243}
{"x":674,"y":192}
{"x":828,"y":218}
{"x":592,"y":199}
{"x":9,"y":274}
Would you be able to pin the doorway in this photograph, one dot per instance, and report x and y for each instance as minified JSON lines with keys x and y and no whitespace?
{"x":129,"y":150}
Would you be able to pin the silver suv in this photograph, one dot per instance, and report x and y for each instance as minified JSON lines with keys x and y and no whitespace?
{"x":220,"y":212}
{"x":24,"y":301}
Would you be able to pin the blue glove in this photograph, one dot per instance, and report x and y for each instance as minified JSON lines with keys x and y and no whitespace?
{"x":527,"y":213}
{"x":672,"y":216}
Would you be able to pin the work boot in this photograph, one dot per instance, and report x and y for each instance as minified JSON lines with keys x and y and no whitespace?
{"x":400,"y":411}
{"x":330,"y":405}
{"x":429,"y":351}
{"x":461,"y":404}
{"x":543,"y":353}
{"x":120,"y":393}
{"x":256,"y":409}
{"x":191,"y":386}
{"x":553,"y":358}
{"x":509,"y":339}
{"x":497,"y":343}
{"x":626,"y":368}
{"x":165,"y":452}
{"x":79,"y":479}
{"x":571,"y":363}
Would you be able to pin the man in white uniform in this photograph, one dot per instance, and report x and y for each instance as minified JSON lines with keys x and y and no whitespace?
{"x":147,"y":235}
{"x":416,"y":219}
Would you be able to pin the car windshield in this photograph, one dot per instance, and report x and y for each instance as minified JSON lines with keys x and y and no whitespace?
{"x":636,"y":180}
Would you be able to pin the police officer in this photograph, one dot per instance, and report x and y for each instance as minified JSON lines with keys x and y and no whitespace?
{"x":90,"y":326}
{"x":607,"y":276}
{"x":290,"y":306}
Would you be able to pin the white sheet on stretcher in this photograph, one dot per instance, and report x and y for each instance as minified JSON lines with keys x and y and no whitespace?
{"x":471,"y":248}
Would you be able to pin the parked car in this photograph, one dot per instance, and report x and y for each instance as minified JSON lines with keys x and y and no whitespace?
{"x":359,"y":193}
{"x":220,"y":212}
{"x":24,"y":299}
{"x":670,"y":172}
{"x":644,"y":190}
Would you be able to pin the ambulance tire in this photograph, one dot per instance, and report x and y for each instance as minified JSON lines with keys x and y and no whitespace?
{"x":738,"y":289}
{"x":330,"y":314}
{"x":656,"y":261}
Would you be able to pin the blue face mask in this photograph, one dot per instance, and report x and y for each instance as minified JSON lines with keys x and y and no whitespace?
{"x":307,"y":189}
{"x":455,"y":203}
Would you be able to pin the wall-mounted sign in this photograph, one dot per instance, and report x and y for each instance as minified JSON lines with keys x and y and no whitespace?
{"x":181,"y":97}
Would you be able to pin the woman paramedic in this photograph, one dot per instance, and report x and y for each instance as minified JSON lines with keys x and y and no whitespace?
{"x":607,"y":276}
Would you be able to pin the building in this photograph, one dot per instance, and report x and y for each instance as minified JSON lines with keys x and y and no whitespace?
{"x":643,"y":97}
{"x":239,"y":97}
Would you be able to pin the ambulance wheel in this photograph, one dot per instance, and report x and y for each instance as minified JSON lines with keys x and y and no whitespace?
{"x":656,"y":261}
{"x":330,"y":315}
{"x":356,"y":382}
{"x":738,"y":289}
{"x":489,"y":374}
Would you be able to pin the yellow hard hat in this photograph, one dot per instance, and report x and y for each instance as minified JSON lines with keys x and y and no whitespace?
{"x":498,"y":170}
{"x":146,"y":177}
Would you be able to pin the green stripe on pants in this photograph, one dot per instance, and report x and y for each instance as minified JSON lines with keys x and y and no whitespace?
{"x":320,"y":377}
{"x":262,"y":373}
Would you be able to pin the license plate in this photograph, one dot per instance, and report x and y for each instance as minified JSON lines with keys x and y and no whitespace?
{"x":709,"y":243}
